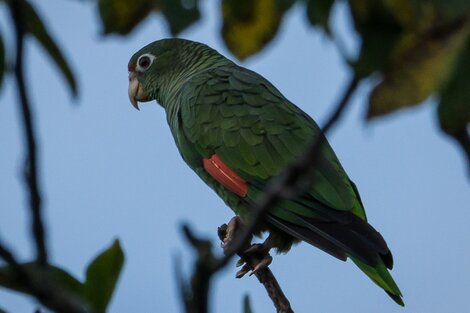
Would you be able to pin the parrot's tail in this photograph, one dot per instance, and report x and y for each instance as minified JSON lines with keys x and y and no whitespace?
{"x":379,"y":274}
{"x":348,"y":236}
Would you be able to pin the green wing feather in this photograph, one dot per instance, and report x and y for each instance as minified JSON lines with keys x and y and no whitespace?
{"x":243,"y":110}
{"x":257,"y":132}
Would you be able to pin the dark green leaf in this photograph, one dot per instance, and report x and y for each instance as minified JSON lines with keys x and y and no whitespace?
{"x":64,"y":279}
{"x":375,"y":51}
{"x":2,"y":61}
{"x":453,"y":8}
{"x":2,"y":311}
{"x":121,"y":16}
{"x":379,"y":30}
{"x":454,"y":105}
{"x":35,"y":27}
{"x":247,"y":304}
{"x":101,"y":277}
{"x":179,"y":14}
{"x":249,"y":25}
{"x":421,"y":64}
{"x":318,"y":13}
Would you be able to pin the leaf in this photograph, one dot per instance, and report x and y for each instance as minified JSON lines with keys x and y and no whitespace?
{"x":9,"y":280}
{"x":247,"y":304}
{"x":414,"y":16}
{"x":420,"y":65}
{"x":35,"y":27}
{"x":121,"y":16}
{"x":2,"y":311}
{"x":2,"y":61}
{"x":379,"y":29}
{"x":453,"y":8}
{"x":454,"y":104}
{"x":179,"y":14}
{"x":249,"y":25}
{"x":101,"y":277}
{"x":318,"y":13}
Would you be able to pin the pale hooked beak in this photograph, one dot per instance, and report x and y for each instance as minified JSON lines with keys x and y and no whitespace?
{"x":136,"y":90}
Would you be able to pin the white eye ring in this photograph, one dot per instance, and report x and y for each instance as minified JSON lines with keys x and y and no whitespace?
{"x":144,"y":62}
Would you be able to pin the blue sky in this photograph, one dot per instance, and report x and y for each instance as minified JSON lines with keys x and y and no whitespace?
{"x":109,"y":172}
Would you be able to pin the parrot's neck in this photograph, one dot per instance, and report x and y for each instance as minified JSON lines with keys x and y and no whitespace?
{"x":172,"y":85}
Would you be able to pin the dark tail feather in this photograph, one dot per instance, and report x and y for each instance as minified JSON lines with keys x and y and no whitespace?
{"x":308,"y":236}
{"x":352,"y":236}
{"x":357,"y":240}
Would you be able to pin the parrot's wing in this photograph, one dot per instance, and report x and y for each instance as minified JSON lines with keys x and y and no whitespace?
{"x":237,"y":120}
{"x":241,"y":117}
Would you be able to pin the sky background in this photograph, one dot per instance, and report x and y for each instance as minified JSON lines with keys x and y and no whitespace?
{"x":109,"y":171}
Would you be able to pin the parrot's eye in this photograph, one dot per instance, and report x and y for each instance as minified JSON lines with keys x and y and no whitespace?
{"x":144,"y":62}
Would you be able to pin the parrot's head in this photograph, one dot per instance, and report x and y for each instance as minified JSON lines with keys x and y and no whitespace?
{"x":156,"y":69}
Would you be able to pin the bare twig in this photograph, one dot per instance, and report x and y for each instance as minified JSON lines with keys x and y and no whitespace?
{"x":10,"y":259}
{"x":38,"y":282}
{"x":31,"y":172}
{"x":195,"y":294}
{"x":265,"y":276}
{"x":294,"y":179}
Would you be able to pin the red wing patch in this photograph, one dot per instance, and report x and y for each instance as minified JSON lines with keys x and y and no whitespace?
{"x":225,"y":176}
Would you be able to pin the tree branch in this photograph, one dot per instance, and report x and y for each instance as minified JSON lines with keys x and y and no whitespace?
{"x":31,"y":172}
{"x":265,"y":275}
{"x":39,"y":285}
{"x":195,"y":294}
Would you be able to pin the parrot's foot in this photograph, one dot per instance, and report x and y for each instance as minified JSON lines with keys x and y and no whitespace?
{"x":253,"y":257}
{"x":259,"y":257}
{"x":227,"y":232}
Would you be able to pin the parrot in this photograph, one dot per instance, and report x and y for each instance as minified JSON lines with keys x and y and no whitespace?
{"x":236,"y":131}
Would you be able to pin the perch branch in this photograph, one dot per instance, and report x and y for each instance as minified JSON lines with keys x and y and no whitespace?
{"x":265,"y":276}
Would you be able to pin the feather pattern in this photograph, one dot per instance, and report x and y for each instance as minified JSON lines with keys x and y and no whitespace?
{"x":261,"y":134}
{"x":237,"y":131}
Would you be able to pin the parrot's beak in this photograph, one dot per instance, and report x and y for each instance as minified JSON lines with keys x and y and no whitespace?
{"x":136,"y":90}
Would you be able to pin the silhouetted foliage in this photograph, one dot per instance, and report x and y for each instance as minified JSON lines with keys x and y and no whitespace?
{"x":412,"y":49}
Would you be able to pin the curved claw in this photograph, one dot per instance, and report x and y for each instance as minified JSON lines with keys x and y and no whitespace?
{"x":245,"y":269}
{"x":264,"y":263}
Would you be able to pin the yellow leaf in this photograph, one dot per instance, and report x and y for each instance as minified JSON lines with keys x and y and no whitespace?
{"x":420,"y":64}
{"x":249,"y":25}
{"x":121,"y":16}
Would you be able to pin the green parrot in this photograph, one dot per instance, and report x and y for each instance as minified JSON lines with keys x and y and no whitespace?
{"x":237,"y":131}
